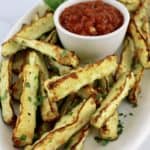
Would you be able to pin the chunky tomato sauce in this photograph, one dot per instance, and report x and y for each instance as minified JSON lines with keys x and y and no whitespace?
{"x":91,"y":18}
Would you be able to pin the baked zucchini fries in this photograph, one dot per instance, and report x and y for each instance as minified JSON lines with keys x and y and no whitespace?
{"x":61,"y":87}
{"x":23,"y":132}
{"x":111,"y":103}
{"x":66,"y":127}
{"x":5,"y":94}
{"x":32,"y":31}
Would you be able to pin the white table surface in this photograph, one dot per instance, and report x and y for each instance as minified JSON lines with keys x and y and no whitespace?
{"x":10,"y":11}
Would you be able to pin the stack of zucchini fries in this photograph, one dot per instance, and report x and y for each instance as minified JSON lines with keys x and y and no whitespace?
{"x":59,"y":101}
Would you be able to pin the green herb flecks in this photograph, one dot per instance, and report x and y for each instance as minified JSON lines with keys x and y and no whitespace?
{"x":53,"y":4}
{"x":4,"y":96}
{"x":131,"y":114}
{"x":125,"y":116}
{"x":134,"y":105}
{"x":105,"y":142}
{"x":99,"y":140}
{"x":120,"y":127}
{"x":27,"y":84}
{"x":36,"y":77}
{"x":70,"y":113}
{"x":29,"y":98}
{"x":121,"y":114}
{"x":23,"y":137}
{"x":64,"y":53}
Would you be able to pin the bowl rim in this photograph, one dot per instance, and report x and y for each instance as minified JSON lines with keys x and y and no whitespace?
{"x":68,"y":3}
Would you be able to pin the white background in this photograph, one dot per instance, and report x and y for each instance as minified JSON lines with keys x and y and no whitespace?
{"x":10,"y":11}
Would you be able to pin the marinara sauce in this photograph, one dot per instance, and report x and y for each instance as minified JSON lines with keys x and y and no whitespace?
{"x":91,"y":18}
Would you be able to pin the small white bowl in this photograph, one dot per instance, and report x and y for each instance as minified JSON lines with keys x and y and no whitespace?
{"x":92,"y":47}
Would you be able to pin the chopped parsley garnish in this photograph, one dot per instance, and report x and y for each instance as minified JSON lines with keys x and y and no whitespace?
{"x":36,"y":77}
{"x":64,"y":53}
{"x":131,"y":114}
{"x":70,"y":113}
{"x":120,"y":114}
{"x":134,"y":105}
{"x":99,"y":140}
{"x":125,"y":116}
{"x":120,"y":127}
{"x":23,"y":137}
{"x":29,"y":98}
{"x":104,"y":142}
{"x":27,"y":84}
{"x":4,"y":96}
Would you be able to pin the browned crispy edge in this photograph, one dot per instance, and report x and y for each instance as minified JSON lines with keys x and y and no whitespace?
{"x":63,"y":127}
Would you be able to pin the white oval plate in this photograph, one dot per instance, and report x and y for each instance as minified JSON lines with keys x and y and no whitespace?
{"x":137,"y":127}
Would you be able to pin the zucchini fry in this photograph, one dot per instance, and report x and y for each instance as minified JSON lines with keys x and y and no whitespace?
{"x":127,"y":57}
{"x":17,"y":87}
{"x":32,"y":31}
{"x":64,"y":57}
{"x":49,"y":109}
{"x":5,"y":95}
{"x":127,"y":64}
{"x":66,"y":127}
{"x":23,"y":132}
{"x":78,"y":78}
{"x":141,"y":47}
{"x":109,"y":131}
{"x":110,"y":104}
{"x":142,"y":23}
{"x":77,"y":141}
{"x":133,"y":95}
{"x":131,"y":5}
